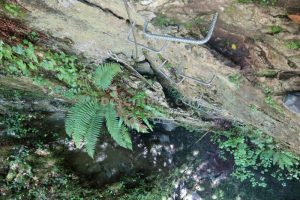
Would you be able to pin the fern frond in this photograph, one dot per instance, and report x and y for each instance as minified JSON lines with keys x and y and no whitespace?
{"x":77,"y":119}
{"x":105,"y":74}
{"x":146,"y":121}
{"x":112,"y":122}
{"x":83,"y":119}
{"x":115,"y":128}
{"x":84,"y":122}
{"x":93,"y":133}
{"x":134,"y":123}
{"x":126,"y":138}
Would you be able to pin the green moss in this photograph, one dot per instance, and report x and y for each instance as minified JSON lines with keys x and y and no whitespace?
{"x":267,"y":73}
{"x":261,"y":2}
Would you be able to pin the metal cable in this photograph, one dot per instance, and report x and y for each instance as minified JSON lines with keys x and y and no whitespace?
{"x":184,"y":40}
{"x":131,"y":22}
{"x":131,"y":30}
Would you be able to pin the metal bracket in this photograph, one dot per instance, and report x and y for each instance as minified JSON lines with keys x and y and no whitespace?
{"x":188,"y":77}
{"x":184,"y":40}
{"x":144,"y":46}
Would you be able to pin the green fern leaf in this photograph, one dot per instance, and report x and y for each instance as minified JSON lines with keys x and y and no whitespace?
{"x":105,"y":74}
{"x":93,"y":133}
{"x":115,"y":128}
{"x":112,"y":122}
{"x":84,"y":123}
{"x":83,"y":119}
{"x":134,"y":123}
{"x":145,"y":120}
{"x":74,"y":122}
{"x":126,"y":139}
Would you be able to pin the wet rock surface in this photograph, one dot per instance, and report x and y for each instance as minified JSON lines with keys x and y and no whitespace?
{"x":159,"y":152}
{"x":292,"y":101}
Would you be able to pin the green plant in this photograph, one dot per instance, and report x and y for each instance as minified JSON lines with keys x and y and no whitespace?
{"x":235,"y":79}
{"x":84,"y":123}
{"x":12,"y":9}
{"x":62,"y":75}
{"x":196,"y":22}
{"x":23,"y":60}
{"x":26,"y":179}
{"x":85,"y":119}
{"x":256,"y":156}
{"x":275,"y":29}
{"x":293,"y":44}
{"x":15,"y":125}
{"x":270,"y":101}
{"x":253,"y":108}
{"x":105,"y":74}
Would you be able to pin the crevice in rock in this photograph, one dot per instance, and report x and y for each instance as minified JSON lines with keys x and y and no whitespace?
{"x":106,"y":10}
{"x":285,"y":75}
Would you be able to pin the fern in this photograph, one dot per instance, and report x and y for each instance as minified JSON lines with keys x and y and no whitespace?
{"x":112,"y":122}
{"x":126,"y":139}
{"x":84,"y":123}
{"x":93,"y":133}
{"x":105,"y":74}
{"x":115,"y":128}
{"x":134,"y":123}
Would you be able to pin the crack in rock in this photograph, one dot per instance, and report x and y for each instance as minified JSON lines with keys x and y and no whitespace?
{"x":106,"y":10}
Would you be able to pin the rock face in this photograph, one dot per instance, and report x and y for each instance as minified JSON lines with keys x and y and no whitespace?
{"x":292,"y":101}
{"x":242,"y":44}
{"x":160,"y":151}
{"x":18,"y":94}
